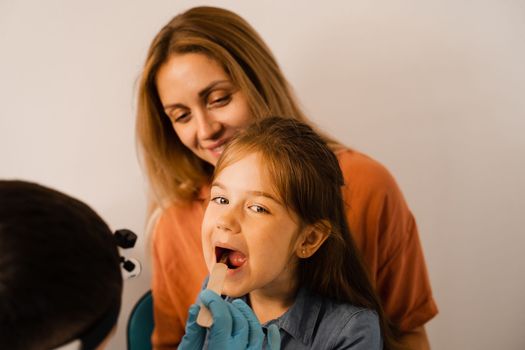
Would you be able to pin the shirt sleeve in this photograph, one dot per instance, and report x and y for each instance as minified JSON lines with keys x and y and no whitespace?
{"x":386,"y":233}
{"x":168,"y":331}
{"x":178,"y":272}
{"x":361,"y":332}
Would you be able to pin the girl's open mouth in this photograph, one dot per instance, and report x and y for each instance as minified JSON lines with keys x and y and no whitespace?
{"x":232,"y":258}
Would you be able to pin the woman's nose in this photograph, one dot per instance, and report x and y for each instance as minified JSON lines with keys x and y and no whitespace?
{"x":207,"y":126}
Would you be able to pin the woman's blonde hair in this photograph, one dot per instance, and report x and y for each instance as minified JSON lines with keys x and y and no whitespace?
{"x":174,"y":172}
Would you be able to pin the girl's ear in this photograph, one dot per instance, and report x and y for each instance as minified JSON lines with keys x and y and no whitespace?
{"x":313,"y":236}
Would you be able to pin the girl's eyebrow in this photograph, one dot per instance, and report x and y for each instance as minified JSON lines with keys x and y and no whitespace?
{"x":253,"y":193}
{"x":264,"y":194}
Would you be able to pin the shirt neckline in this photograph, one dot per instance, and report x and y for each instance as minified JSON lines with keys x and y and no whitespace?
{"x":300,"y":319}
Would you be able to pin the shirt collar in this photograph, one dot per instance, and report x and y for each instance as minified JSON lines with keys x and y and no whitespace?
{"x":300,"y":319}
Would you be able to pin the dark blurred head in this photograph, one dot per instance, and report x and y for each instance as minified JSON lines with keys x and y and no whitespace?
{"x":59,"y":267}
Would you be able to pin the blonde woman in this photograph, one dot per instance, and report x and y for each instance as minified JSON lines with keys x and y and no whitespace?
{"x":207,"y":76}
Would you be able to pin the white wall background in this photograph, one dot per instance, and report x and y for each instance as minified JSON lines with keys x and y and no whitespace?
{"x":433,"y":89}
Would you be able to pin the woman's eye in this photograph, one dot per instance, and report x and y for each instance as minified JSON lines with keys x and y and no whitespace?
{"x":220,"y":200}
{"x":181,"y":118}
{"x":221,"y":101}
{"x":258,"y":209}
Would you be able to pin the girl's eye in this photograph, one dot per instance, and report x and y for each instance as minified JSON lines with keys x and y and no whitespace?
{"x":220,"y":200}
{"x":258,"y":209}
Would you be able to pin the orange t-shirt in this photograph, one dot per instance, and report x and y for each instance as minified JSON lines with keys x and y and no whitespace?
{"x":381,"y":224}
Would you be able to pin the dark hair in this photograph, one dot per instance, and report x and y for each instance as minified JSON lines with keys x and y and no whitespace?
{"x":307,"y":176}
{"x":59,"y":267}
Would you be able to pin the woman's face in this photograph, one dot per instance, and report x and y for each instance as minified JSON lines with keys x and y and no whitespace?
{"x":248,"y":224}
{"x":205,"y":108}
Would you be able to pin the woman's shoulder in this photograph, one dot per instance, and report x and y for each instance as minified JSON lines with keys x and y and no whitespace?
{"x":176,"y":218}
{"x":184,"y":209}
{"x":176,"y":213}
{"x":357,"y":163}
{"x":173,"y":205}
{"x":362,"y":172}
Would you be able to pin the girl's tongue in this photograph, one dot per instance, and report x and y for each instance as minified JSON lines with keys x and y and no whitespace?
{"x":236,"y":259}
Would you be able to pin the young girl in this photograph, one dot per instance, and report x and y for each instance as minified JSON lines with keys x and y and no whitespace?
{"x":277,"y":217}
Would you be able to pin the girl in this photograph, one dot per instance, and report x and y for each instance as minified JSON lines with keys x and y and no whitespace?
{"x":207,"y":76}
{"x":276,"y":215}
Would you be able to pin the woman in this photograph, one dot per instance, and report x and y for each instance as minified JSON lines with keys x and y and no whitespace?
{"x":208,"y":75}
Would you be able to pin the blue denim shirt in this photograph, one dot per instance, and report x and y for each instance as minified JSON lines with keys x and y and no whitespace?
{"x":319,"y":323}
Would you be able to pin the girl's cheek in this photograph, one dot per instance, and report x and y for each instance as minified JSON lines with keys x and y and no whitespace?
{"x":209,"y":261}
{"x":208,"y":250}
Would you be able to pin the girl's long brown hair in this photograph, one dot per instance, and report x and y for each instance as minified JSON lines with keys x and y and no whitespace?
{"x":307,"y":176}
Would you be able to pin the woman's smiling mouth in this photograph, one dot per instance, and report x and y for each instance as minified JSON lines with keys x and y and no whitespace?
{"x":217,"y":147}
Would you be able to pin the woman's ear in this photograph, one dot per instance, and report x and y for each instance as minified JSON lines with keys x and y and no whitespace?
{"x":312,"y":237}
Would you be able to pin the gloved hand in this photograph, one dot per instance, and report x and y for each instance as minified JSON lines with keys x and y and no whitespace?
{"x":235,"y":327}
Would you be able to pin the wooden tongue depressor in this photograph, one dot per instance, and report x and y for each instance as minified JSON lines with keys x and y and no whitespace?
{"x":215,"y":283}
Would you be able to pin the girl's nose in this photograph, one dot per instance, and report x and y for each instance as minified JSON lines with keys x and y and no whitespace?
{"x":228,"y":222}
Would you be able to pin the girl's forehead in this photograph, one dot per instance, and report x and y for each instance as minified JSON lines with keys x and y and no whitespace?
{"x":246,"y":163}
{"x":249,"y":170}
{"x":235,"y":155}
{"x":246,"y":171}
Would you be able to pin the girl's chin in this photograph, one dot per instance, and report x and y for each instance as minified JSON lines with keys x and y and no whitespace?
{"x":235,"y":289}
{"x":235,"y":295}
{"x":233,"y":292}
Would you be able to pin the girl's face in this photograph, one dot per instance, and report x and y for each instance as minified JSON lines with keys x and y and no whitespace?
{"x":247,"y":222}
{"x":205,"y":108}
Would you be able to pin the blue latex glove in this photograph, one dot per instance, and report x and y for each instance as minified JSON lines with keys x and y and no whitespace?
{"x":235,"y":327}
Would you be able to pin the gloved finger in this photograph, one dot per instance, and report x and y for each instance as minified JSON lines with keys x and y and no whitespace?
{"x":218,"y":308}
{"x":274,"y":337}
{"x":221,"y":329}
{"x":195,"y":334}
{"x":240,"y":329}
{"x":256,"y":335}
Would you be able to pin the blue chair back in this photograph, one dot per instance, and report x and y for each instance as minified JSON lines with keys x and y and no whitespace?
{"x":140,"y":324}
